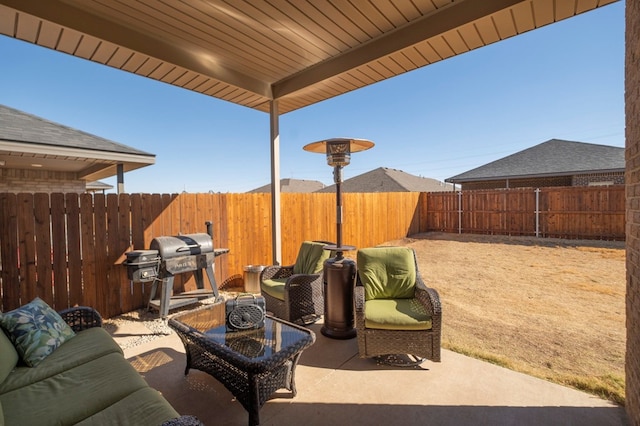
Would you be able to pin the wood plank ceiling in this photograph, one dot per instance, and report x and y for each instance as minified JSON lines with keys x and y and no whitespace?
{"x":296,"y":51}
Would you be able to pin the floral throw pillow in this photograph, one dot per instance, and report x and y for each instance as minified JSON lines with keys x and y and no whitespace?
{"x":36,"y":330}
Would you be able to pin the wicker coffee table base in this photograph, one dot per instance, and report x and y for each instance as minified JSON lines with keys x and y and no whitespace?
{"x":253,"y":381}
{"x":251,"y":389}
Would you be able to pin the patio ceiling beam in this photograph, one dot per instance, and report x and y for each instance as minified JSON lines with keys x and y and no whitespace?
{"x":434,"y":24}
{"x":64,"y":14}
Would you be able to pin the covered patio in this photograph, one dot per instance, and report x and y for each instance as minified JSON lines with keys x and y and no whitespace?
{"x":337,"y":387}
{"x":278,"y":59}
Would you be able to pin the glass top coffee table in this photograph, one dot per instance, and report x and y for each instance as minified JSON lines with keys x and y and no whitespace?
{"x":252,"y":364}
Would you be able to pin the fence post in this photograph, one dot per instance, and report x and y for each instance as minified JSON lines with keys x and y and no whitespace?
{"x":537,"y":212}
{"x":459,"y":212}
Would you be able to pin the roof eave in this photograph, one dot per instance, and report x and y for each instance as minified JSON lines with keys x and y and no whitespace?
{"x":532,"y":176}
{"x":44,"y":149}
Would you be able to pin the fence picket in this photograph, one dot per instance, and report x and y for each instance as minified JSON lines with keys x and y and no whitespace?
{"x":27,"y":247}
{"x":59,"y":252}
{"x":74,"y":251}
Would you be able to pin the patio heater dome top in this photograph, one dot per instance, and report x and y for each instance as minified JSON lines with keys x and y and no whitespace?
{"x":355,"y":145}
{"x":338,"y":150}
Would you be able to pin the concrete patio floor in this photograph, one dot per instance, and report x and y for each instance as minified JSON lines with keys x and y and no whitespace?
{"x":336,"y":387}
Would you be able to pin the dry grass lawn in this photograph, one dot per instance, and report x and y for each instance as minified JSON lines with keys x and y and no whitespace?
{"x":554,"y":309}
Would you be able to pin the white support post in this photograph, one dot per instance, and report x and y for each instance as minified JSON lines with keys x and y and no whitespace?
{"x":276,"y":228}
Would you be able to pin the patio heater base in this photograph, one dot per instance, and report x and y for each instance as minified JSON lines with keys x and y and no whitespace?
{"x":339,"y":276}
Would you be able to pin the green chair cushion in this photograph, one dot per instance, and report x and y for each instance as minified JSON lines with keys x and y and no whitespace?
{"x":396,"y":314}
{"x":274,"y":287}
{"x":310,"y":258}
{"x":387,"y":272}
{"x":36,"y":330}
{"x":8,"y":356}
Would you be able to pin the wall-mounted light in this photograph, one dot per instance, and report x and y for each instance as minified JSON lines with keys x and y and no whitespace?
{"x":2,"y":163}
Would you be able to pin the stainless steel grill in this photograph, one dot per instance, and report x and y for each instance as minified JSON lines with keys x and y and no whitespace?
{"x":171,"y":255}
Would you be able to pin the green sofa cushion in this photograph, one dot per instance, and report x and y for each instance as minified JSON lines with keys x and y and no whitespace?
{"x":87,"y":345}
{"x":8,"y":356}
{"x":274,"y":288}
{"x":143,"y":407}
{"x":396,"y":314}
{"x":36,"y":330}
{"x":387,"y":272}
{"x":310,"y":258}
{"x":73,"y":395}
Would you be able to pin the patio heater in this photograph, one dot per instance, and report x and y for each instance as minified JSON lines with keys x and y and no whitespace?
{"x":338,"y":272}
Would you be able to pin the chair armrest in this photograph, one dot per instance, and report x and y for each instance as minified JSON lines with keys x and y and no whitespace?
{"x":358,"y":299}
{"x":275,"y":272}
{"x":81,"y":317}
{"x":183,"y":421}
{"x":429,"y":297}
{"x":297,"y":280}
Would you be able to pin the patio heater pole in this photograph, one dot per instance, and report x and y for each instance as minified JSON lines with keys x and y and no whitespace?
{"x":338,"y":273}
{"x":337,"y":179}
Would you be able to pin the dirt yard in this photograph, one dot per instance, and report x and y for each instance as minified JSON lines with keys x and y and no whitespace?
{"x":550,"y":308}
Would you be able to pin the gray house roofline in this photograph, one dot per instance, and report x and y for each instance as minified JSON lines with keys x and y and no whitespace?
{"x":28,"y":141}
{"x":533,"y":176}
{"x":551,"y":158}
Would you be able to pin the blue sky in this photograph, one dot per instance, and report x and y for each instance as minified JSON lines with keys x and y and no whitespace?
{"x":563,"y":81}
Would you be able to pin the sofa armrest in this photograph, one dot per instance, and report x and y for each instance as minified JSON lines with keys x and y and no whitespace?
{"x":81,"y":317}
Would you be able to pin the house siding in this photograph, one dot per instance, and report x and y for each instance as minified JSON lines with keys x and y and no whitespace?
{"x":595,"y":178}
{"x":22,"y":180}
{"x":632,"y":160}
{"x":576,"y":180}
{"x":519,"y":183}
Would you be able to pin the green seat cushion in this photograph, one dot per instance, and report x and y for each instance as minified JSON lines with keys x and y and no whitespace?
{"x":36,"y":330}
{"x":73,"y":395}
{"x":387,"y":272}
{"x":274,"y":287}
{"x":8,"y":356}
{"x":86,"y":346}
{"x":310,"y":258}
{"x":396,"y":314}
{"x":143,"y":407}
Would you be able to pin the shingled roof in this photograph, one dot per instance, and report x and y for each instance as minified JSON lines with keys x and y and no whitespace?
{"x":554,"y":157}
{"x":384,"y":179}
{"x":292,"y":185}
{"x":25,"y":137}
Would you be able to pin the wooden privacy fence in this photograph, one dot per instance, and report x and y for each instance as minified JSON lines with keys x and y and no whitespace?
{"x":567,"y":212}
{"x":68,"y":248}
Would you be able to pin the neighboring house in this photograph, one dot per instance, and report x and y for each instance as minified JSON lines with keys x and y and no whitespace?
{"x":384,"y":179}
{"x":37,"y":155}
{"x":97,"y":186}
{"x":552,"y":163}
{"x":293,"y":185}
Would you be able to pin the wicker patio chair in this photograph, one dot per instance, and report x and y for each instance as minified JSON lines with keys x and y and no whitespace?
{"x":395,"y":312}
{"x":294,"y":292}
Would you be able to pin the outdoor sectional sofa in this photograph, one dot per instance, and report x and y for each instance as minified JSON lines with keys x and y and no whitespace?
{"x":85,"y":380}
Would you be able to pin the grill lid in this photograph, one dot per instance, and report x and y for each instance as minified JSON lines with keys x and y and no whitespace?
{"x":181,"y":245}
